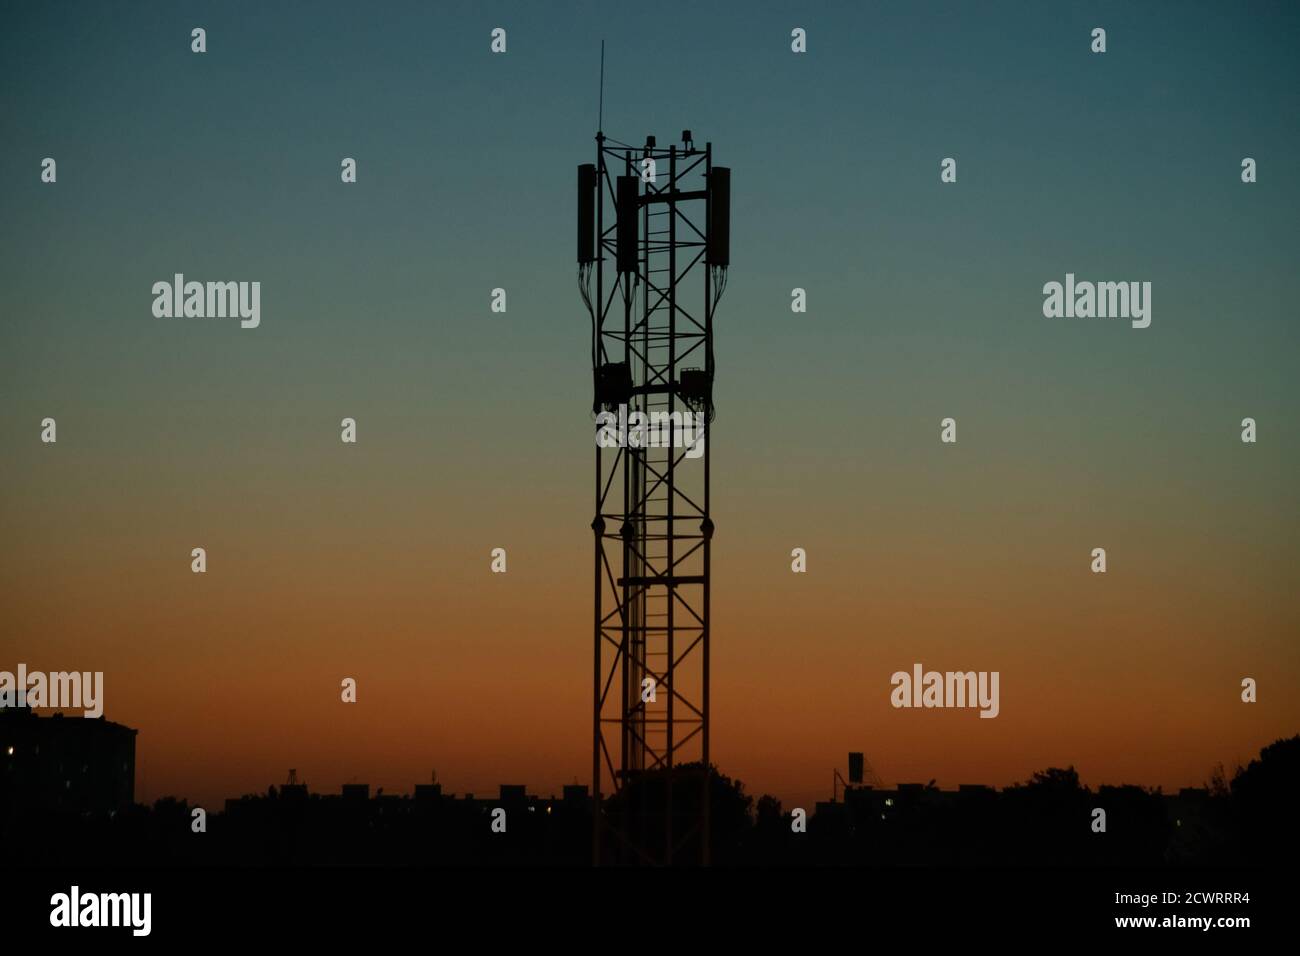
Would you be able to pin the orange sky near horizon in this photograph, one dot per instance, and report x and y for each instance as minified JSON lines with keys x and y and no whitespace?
{"x":232,"y":677}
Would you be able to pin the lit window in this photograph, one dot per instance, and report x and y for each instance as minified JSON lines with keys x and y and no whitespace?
{"x":11,"y":751}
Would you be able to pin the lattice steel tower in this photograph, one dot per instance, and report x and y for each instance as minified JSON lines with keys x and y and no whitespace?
{"x":653,"y":240}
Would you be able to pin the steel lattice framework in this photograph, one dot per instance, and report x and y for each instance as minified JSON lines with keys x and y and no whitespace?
{"x":657,"y":278}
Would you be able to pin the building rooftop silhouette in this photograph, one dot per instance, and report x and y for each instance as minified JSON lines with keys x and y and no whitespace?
{"x":64,"y":763}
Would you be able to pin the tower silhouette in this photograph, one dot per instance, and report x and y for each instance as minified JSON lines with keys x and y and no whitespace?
{"x":653,"y":251}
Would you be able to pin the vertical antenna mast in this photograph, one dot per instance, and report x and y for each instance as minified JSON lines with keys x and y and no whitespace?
{"x":600,"y":115}
{"x":653,"y":237}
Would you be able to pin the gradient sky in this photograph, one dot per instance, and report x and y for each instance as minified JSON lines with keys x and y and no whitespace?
{"x":371,"y":561}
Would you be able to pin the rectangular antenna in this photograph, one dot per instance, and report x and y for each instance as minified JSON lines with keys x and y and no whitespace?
{"x":628,"y":196}
{"x":586,"y":213}
{"x":719,"y":251}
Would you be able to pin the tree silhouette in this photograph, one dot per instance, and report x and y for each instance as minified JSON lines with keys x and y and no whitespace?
{"x":1056,"y":780}
{"x":1264,"y":795}
{"x":639,"y":810}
